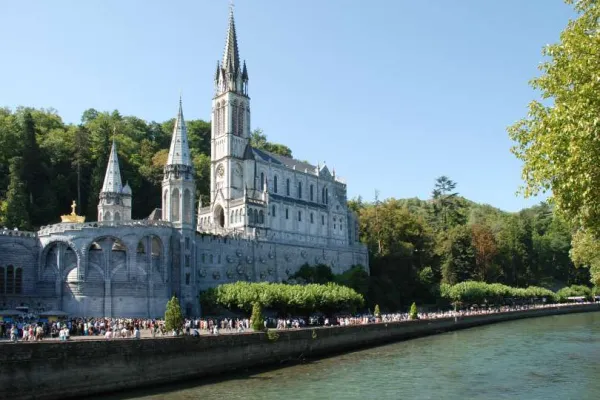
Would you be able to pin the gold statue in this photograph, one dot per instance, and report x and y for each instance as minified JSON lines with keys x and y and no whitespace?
{"x":73,"y":217}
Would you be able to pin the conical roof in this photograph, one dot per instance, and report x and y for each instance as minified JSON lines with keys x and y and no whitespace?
{"x":231,"y":57}
{"x":112,"y":179}
{"x":179,"y":152}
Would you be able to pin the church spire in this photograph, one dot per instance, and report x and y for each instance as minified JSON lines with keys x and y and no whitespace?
{"x":179,"y":152}
{"x":112,"y":179}
{"x":231,"y":57}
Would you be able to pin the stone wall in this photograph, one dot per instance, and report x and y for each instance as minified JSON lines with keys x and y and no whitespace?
{"x":79,"y":368}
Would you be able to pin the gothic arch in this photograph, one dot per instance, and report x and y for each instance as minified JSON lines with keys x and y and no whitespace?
{"x":43,"y":258}
{"x":117,"y":216}
{"x":107,"y":216}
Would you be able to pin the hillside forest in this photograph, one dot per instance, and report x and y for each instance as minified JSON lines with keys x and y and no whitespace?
{"x":414,"y":244}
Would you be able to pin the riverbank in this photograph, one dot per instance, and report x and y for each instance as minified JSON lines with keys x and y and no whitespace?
{"x":44,"y":370}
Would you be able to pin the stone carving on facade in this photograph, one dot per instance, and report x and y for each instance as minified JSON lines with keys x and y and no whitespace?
{"x":303,"y":254}
{"x":216,"y":275}
{"x":202,"y":272}
{"x":271,"y":255}
{"x":240,"y":269}
{"x":271,"y":270}
{"x":238,"y":253}
{"x":249,"y":260}
{"x":230,"y":273}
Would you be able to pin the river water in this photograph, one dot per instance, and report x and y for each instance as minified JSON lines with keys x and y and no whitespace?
{"x":554,"y":357}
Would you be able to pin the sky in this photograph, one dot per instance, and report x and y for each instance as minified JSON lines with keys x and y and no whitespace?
{"x":390,"y":93}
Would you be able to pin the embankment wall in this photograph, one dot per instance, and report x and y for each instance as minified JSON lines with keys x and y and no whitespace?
{"x":57,"y":370}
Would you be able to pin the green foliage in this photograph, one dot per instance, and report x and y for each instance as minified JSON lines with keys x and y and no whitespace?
{"x":15,"y":213}
{"x":286,"y":299}
{"x":377,"y":311}
{"x":259,"y":141}
{"x":173,"y":315}
{"x":320,"y":274}
{"x":558,"y":140}
{"x":257,"y":319}
{"x":574,"y":291}
{"x":472,"y":292}
{"x":413,"y":313}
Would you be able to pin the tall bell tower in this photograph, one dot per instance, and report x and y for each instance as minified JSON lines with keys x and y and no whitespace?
{"x":230,"y":121}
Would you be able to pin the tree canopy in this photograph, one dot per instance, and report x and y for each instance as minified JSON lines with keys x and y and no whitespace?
{"x":558,"y":140}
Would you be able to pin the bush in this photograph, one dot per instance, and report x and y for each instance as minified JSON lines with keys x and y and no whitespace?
{"x":286,"y":299}
{"x":414,"y":314}
{"x":377,"y":312}
{"x":574,"y":291}
{"x":258,"y":323}
{"x":173,"y":315}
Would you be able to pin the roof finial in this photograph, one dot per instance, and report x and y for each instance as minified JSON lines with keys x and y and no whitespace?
{"x":231,"y":6}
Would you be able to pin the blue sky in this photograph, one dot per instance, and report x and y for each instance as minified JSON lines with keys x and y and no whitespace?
{"x":390,"y":93}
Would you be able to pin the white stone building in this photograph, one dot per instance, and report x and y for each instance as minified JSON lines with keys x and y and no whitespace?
{"x":268,"y":216}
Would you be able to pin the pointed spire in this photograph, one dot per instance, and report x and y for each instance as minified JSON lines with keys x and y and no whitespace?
{"x":231,"y":57}
{"x":245,"y":72}
{"x":179,"y":152}
{"x":218,"y":71}
{"x":112,"y":179}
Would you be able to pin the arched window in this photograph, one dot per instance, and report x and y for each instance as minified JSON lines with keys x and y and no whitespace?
{"x":275,"y":184}
{"x":299,"y":216}
{"x":2,"y":281}
{"x":19,"y":281}
{"x":326,"y":196}
{"x":10,"y":279}
{"x":312,"y":220}
{"x":273,"y":210}
{"x":256,"y":220}
{"x":261,"y":217}
{"x":262,"y":181}
{"x":250,"y":216}
{"x":299,"y":190}
{"x":234,"y":118}
{"x":117,"y":216}
{"x":287,"y":213}
{"x":312,"y":192}
{"x":231,"y":220}
{"x":175,"y":205}
{"x":287,"y":187}
{"x":107,"y":216}
{"x":187,"y":207}
{"x":323,"y":195}
{"x":241,"y":119}
{"x":211,"y":259}
{"x":236,"y":217}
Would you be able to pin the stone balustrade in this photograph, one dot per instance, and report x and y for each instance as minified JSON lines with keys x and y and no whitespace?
{"x":66,"y":226}
{"x":17,"y":233}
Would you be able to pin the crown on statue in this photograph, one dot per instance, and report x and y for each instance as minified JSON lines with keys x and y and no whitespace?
{"x":73,"y":217}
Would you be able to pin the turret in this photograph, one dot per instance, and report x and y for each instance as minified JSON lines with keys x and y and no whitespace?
{"x":115,"y":200}
{"x":178,"y":186}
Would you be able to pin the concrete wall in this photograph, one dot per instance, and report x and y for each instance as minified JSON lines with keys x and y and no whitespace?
{"x":79,"y":368}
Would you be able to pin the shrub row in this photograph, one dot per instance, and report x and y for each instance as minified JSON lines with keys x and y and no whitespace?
{"x":283,"y":298}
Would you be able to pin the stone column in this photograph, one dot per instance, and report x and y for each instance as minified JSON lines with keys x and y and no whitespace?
{"x":60,"y":255}
{"x":107,"y":298}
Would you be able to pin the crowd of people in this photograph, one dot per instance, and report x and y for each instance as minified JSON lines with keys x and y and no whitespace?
{"x":31,"y":328}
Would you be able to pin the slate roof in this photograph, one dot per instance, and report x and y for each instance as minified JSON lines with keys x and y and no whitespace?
{"x":179,"y":152}
{"x":282,"y":160}
{"x":112,"y":179}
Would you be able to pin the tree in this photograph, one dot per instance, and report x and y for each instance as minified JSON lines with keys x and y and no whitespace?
{"x":377,"y":312}
{"x":458,"y":256}
{"x":257,"y":318}
{"x":414,"y":313}
{"x":486,"y":250}
{"x":258,"y":140}
{"x":16,"y":215}
{"x":558,"y":140}
{"x":173,"y":315}
{"x":447,"y":208}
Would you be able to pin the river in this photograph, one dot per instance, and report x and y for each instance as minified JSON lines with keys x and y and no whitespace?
{"x":554,"y":357}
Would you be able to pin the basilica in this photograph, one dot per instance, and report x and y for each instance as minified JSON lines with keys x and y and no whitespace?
{"x":268,"y":215}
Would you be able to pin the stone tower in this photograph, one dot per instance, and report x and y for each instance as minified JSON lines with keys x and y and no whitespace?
{"x":178,"y":193}
{"x":115,"y":200}
{"x":178,"y":186}
{"x":230,"y":127}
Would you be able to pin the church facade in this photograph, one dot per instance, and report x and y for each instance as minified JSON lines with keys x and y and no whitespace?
{"x":267,"y":216}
